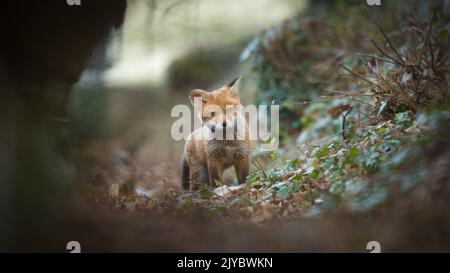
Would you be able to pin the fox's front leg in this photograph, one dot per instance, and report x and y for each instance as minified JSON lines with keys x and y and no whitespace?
{"x":242,"y":167}
{"x":215,"y":170}
{"x":198,"y":175}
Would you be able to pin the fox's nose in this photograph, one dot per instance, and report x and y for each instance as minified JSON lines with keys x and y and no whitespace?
{"x":224,"y":123}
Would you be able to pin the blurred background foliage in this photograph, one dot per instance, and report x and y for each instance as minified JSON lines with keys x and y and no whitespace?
{"x":157,"y":35}
{"x":299,"y":60}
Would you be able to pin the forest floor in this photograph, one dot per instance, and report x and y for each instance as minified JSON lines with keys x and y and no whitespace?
{"x":364,"y":154}
{"x":159,"y":216}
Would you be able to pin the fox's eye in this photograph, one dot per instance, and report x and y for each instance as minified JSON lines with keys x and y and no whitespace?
{"x":213,"y":114}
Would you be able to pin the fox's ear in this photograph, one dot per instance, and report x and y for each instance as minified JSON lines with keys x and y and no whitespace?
{"x":234,"y":84}
{"x":198,"y":93}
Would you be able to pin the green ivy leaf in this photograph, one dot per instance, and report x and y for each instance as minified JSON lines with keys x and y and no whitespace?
{"x":323,"y":152}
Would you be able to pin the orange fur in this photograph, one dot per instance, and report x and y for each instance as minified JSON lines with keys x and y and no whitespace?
{"x":205,"y":160}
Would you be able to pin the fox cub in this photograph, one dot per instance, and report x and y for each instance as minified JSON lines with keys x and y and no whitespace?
{"x":215,"y":146}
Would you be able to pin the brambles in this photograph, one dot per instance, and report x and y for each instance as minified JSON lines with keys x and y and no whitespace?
{"x":412,"y":75}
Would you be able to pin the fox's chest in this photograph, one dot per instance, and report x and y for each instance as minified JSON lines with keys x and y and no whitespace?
{"x":226,"y":151}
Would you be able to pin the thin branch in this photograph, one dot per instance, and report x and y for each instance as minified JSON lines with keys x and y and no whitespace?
{"x":376,"y":57}
{"x":260,"y":168}
{"x":386,"y":54}
{"x":427,"y":37}
{"x":361,"y":77}
{"x":344,"y":116}
{"x":358,"y":123}
{"x":356,"y":74}
{"x":390,"y":43}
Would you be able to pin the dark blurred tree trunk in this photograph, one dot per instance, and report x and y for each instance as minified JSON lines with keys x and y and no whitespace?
{"x":45,"y":47}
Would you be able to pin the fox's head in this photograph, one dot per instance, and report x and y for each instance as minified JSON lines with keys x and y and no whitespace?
{"x":218,"y":109}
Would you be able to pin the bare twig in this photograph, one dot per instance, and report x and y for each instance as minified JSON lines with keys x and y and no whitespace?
{"x":259,"y":167}
{"x":376,"y":57}
{"x":427,"y":37}
{"x":358,"y":123}
{"x":355,"y":74}
{"x":390,"y":43}
{"x":344,"y":116}
{"x":361,"y":77}
{"x":386,"y":54}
